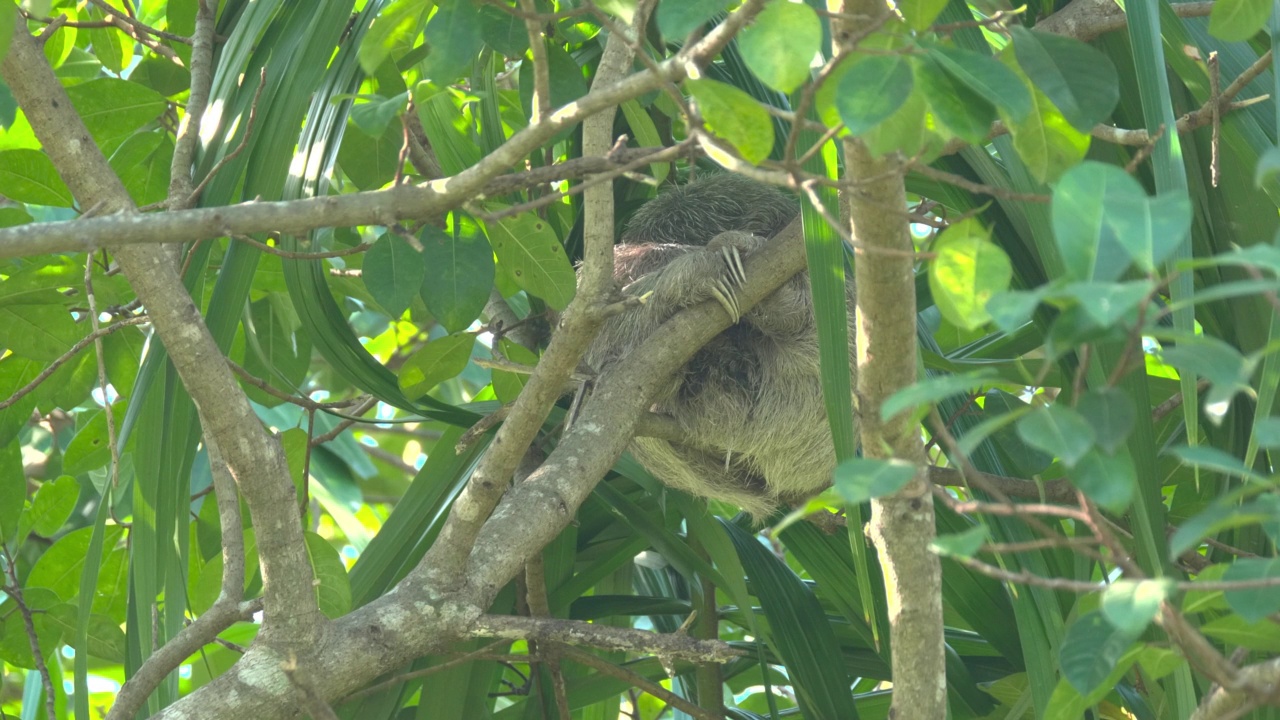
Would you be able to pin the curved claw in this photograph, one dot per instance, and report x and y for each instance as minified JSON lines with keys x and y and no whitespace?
{"x":727,"y":298}
{"x":733,"y":259}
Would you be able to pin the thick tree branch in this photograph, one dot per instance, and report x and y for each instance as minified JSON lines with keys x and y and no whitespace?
{"x":297,"y":217}
{"x":253,"y":456}
{"x":674,"y":646}
{"x":902,"y":524}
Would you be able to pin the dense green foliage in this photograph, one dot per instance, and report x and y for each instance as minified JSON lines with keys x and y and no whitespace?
{"x":1095,"y":310}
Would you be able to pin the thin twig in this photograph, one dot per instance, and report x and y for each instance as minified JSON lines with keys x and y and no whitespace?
{"x":83,"y":343}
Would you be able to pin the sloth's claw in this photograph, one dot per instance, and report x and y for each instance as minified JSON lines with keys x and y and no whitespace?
{"x":727,"y":298}
{"x":733,"y":259}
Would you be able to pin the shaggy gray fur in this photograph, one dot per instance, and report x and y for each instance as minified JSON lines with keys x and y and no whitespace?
{"x":750,"y":401}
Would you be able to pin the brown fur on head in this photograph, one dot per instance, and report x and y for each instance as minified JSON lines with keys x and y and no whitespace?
{"x":750,"y":401}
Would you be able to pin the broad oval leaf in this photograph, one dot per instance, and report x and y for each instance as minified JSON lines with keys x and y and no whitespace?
{"x":1059,"y":431}
{"x":1238,"y":20}
{"x":1132,"y":604}
{"x":113,"y":109}
{"x":1081,"y":203}
{"x":967,"y":270}
{"x":781,"y":43}
{"x":1091,"y":650}
{"x":532,"y":256}
{"x":52,"y":505}
{"x":986,"y":76}
{"x":393,"y":273}
{"x":1109,"y":480}
{"x":28,"y":176}
{"x":873,"y":90}
{"x":861,"y":479}
{"x":1254,"y":604}
{"x":459,"y":273}
{"x":453,"y":35}
{"x":734,"y":116}
{"x":1111,"y":413}
{"x":960,"y":110}
{"x":678,"y":18}
{"x":333,"y":587}
{"x":90,"y":449}
{"x":40,"y":332}
{"x":1081,"y":81}
{"x":434,"y":363}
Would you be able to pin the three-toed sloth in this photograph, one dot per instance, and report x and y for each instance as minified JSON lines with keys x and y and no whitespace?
{"x":749,"y":402}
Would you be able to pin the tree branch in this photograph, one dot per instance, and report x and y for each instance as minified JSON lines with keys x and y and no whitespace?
{"x":254,"y":458}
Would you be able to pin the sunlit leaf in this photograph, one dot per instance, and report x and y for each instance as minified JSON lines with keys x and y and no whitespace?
{"x":734,"y":116}
{"x":781,"y":43}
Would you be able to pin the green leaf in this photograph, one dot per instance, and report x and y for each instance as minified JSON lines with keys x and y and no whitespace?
{"x":1221,"y":364}
{"x":122,"y":353}
{"x":962,"y":544}
{"x":933,"y":390}
{"x":986,"y":76}
{"x":143,"y":162}
{"x":1222,"y":516}
{"x":920,"y":14}
{"x":162,"y":75}
{"x":436,"y":362}
{"x":15,"y":373}
{"x":873,"y":90}
{"x":113,"y":109}
{"x":28,"y":176}
{"x":1091,"y":650}
{"x":1101,"y":214}
{"x":1108,"y":303}
{"x":1059,"y":431}
{"x":567,"y":83}
{"x":530,"y":254}
{"x":453,"y":35}
{"x":1267,"y":432}
{"x":735,"y":117}
{"x":1045,"y":141}
{"x":89,"y":449}
{"x":333,"y":588}
{"x":13,"y":490}
{"x":505,"y":32}
{"x":40,"y":332}
{"x":1110,"y":480}
{"x":960,"y":110}
{"x":1081,"y":81}
{"x":1130,"y":605}
{"x":966,"y":271}
{"x":1012,"y":309}
{"x":1254,"y":604}
{"x":1238,"y":20}
{"x":396,"y":26}
{"x":52,"y":505}
{"x":507,"y":385}
{"x":461,"y":270}
{"x":861,"y":479}
{"x":58,"y":569}
{"x":798,"y":630}
{"x":374,"y":115}
{"x":781,"y":43}
{"x":371,"y":162}
{"x":111,"y":47}
{"x":678,"y":18}
{"x":1112,"y":415}
{"x":393,"y":272}
{"x":7,"y":21}
{"x":106,"y":639}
